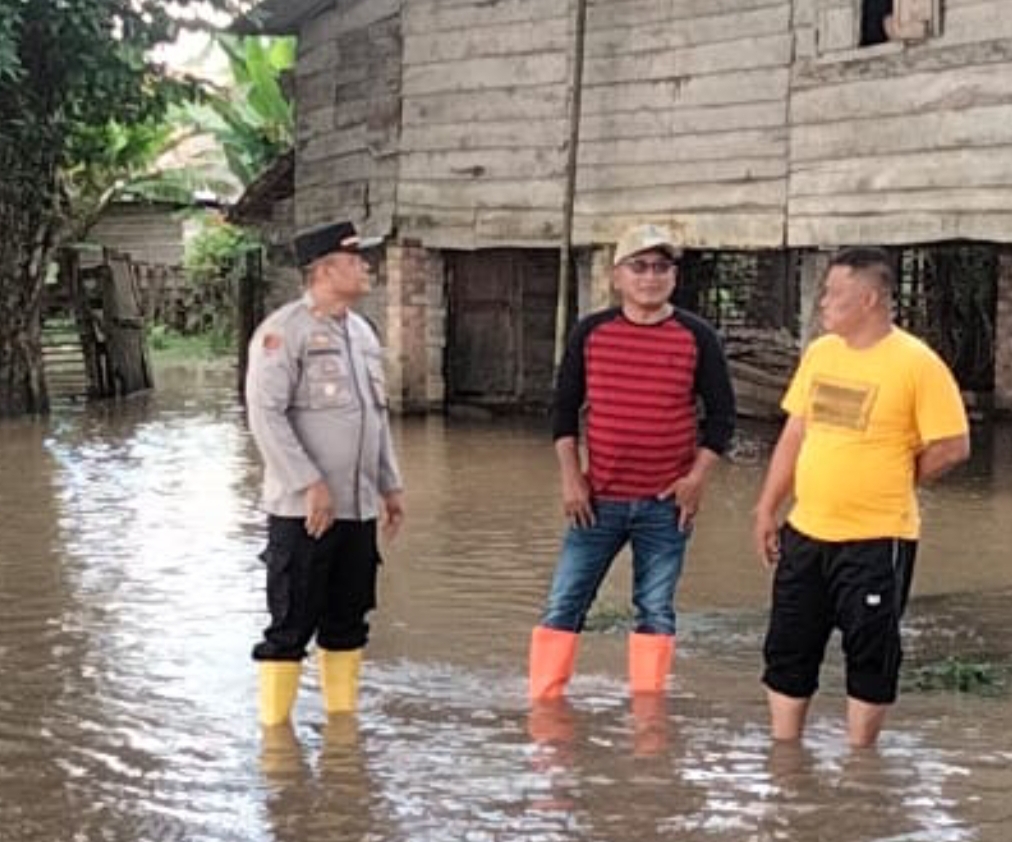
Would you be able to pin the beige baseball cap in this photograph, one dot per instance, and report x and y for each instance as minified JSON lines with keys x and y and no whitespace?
{"x":645,"y":238}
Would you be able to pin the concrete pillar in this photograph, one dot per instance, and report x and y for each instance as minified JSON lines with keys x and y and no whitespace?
{"x":436,"y":322}
{"x":394,"y":325}
{"x":1003,"y":336}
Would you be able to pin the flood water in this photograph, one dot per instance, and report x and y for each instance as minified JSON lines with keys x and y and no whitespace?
{"x":130,"y":594}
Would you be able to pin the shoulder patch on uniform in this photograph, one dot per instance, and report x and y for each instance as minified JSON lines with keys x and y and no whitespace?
{"x":272,"y":341}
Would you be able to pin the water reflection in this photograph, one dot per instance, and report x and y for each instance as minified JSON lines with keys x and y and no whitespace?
{"x":131,"y":592}
{"x":35,"y":653}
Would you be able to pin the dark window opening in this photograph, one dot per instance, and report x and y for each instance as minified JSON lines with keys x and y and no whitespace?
{"x":947,"y":294}
{"x":873,"y":18}
{"x":752,"y":298}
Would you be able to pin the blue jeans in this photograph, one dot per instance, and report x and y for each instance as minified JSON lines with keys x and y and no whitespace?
{"x":658,"y":547}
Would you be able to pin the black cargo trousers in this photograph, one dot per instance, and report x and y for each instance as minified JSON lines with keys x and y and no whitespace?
{"x":324,"y":586}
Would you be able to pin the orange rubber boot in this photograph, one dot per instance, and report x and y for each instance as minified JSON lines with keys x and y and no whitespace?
{"x":650,"y":657}
{"x":553,"y":654}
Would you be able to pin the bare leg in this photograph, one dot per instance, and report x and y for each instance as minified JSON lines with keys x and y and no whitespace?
{"x":864,"y":722}
{"x":787,"y":715}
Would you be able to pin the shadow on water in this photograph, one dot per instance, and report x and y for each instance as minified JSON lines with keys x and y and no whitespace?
{"x":131,"y":593}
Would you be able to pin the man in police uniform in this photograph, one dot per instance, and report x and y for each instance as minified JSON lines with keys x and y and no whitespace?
{"x":317,"y":409}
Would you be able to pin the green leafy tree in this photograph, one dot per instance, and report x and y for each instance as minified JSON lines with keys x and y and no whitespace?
{"x":64,"y":66}
{"x":252,"y":119}
{"x":115,"y":161}
{"x":248,"y":122}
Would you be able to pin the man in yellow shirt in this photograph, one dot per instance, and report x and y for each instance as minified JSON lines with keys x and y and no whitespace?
{"x":872,"y":413}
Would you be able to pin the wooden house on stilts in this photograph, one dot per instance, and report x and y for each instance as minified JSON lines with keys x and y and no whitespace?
{"x":764,"y":132}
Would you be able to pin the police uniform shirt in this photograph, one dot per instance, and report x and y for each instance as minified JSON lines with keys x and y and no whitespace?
{"x":316,"y":400}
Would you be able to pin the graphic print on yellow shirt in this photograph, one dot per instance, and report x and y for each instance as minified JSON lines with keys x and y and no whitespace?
{"x":839,"y":403}
{"x":868,"y":413}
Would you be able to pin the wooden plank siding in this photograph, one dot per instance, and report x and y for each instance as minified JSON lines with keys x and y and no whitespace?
{"x":149,"y":233}
{"x":484,"y":130}
{"x":685,"y":120}
{"x":348,"y":95}
{"x":740,"y":123}
{"x":911,"y":144}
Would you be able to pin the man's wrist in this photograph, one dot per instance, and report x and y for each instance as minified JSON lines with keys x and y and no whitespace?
{"x":698,"y":473}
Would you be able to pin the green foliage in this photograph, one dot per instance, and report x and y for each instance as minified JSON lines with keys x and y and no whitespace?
{"x":253,"y":119}
{"x":79,"y":90}
{"x":73,"y":73}
{"x":213,"y":263}
{"x":159,"y":337}
{"x":105,"y":162}
{"x":169,"y":346}
{"x":959,"y":676}
{"x":65,"y":66}
{"x":249,"y":122}
{"x":609,"y":618}
{"x":70,"y":64}
{"x":9,"y":61}
{"x":215,"y":251}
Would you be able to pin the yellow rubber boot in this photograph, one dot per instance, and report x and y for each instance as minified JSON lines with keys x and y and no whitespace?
{"x":279,"y":683}
{"x":339,"y":679}
{"x":650,"y":657}
{"x":552,"y":658}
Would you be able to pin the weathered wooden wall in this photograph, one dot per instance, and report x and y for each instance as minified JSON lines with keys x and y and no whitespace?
{"x":741,"y":123}
{"x":282,"y":277}
{"x":483,"y":141}
{"x":149,"y":233}
{"x":684,"y":120}
{"x":348,"y":81}
{"x":901,"y":144}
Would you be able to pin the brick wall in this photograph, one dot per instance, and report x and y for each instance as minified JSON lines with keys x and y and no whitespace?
{"x":416,"y":327}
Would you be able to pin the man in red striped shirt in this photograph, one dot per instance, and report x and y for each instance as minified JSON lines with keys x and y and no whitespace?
{"x":636,"y":372}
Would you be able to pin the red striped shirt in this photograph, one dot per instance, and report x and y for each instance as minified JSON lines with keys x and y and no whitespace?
{"x":641,"y":407}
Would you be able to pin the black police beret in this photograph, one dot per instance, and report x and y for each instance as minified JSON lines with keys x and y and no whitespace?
{"x":318,"y":242}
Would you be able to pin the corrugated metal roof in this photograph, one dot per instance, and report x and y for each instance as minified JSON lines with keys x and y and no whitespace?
{"x":280,"y":17}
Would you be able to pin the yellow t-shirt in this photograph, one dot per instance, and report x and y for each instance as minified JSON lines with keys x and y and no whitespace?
{"x":867,"y":414}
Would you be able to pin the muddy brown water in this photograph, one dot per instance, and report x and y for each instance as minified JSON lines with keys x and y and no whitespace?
{"x":130,"y":593}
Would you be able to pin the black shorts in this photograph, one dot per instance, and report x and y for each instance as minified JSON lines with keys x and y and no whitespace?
{"x":318,"y":586}
{"x":859,"y":587}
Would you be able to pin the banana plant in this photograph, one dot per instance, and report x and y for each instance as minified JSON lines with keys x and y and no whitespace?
{"x":215,"y":143}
